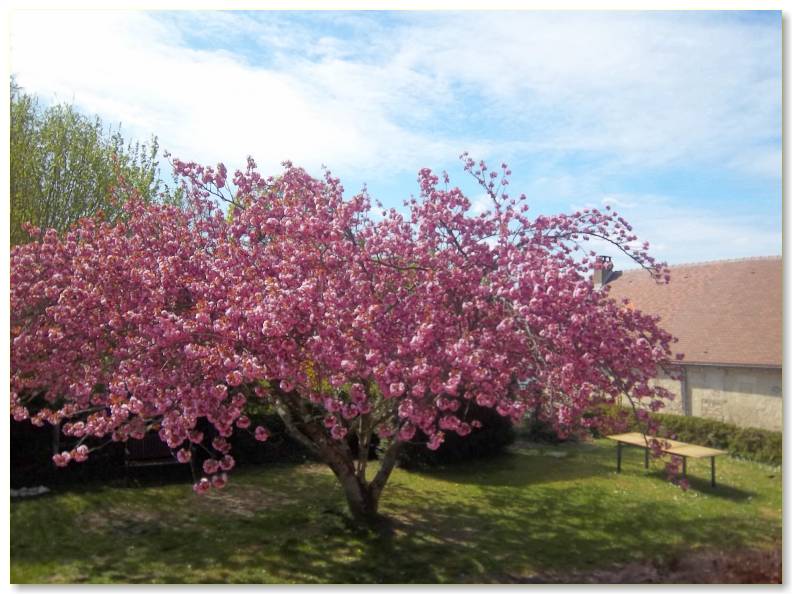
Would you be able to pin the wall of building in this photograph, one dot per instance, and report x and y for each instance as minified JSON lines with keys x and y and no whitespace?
{"x":744,"y":396}
{"x":677,"y":405}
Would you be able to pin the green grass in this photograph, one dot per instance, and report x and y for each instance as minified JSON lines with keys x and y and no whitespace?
{"x":520,"y":514}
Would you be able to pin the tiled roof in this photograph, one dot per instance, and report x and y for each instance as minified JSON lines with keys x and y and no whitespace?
{"x":727,"y":311}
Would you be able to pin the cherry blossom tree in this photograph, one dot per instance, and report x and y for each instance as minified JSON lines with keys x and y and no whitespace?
{"x":348,"y":325}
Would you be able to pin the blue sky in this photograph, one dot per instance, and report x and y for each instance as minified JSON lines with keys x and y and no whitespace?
{"x":673,"y":118}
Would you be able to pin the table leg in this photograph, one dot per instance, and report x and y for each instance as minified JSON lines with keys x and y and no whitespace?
{"x":684,"y":466}
{"x":618,"y":456}
{"x":712,"y":464}
{"x":646,"y":458}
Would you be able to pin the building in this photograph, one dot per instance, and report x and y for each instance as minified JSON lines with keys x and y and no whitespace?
{"x":728,"y":317}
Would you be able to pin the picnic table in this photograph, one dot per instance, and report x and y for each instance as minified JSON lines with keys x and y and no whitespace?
{"x":668,"y":446}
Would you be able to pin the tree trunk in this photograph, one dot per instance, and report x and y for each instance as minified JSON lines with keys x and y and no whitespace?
{"x":362,"y":501}
{"x":362,"y":496}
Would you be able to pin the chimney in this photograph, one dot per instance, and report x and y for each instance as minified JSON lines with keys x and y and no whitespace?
{"x":603,"y":273}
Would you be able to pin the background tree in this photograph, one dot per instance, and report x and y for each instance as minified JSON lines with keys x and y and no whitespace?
{"x":344,"y":324}
{"x":64,"y":166}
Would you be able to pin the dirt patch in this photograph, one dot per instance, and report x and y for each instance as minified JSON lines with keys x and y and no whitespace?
{"x":243,"y":500}
{"x":314,"y":469}
{"x":234,"y":500}
{"x":122,"y":520}
{"x":701,"y":567}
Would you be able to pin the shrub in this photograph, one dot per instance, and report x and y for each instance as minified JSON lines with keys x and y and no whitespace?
{"x":496,"y":432}
{"x":537,"y":430}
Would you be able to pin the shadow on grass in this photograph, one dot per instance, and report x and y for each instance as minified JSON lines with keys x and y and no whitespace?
{"x":632,"y":463}
{"x":302,"y":535}
{"x":704,"y":486}
{"x":525,"y":468}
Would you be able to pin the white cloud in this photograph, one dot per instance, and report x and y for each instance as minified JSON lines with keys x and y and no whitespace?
{"x":679,"y":234}
{"x":646,"y":88}
{"x":640,"y":89}
{"x":613,"y":201}
{"x":480,"y":204}
{"x":210,"y":105}
{"x":582,"y":97}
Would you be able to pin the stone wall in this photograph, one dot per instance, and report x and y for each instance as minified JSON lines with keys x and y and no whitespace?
{"x":744,"y":396}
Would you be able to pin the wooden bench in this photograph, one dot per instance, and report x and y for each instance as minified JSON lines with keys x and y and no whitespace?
{"x":668,"y":446}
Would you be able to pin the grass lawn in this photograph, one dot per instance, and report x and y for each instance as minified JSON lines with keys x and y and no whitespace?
{"x":533,"y":510}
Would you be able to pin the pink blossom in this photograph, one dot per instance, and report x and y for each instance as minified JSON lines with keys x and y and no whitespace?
{"x":221,"y":445}
{"x":463,"y":429}
{"x":62,"y":459}
{"x":357,"y":393}
{"x":211,"y":466}
{"x":397,"y":389}
{"x":202,"y":486}
{"x":436,"y":440}
{"x":338,"y":432}
{"x":234,"y":378}
{"x":407,"y":432}
{"x":80,"y":453}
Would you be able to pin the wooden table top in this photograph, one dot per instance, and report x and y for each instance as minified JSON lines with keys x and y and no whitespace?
{"x":670,"y":446}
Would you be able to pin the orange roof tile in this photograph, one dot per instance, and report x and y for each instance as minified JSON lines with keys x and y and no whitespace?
{"x":727,"y":312}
